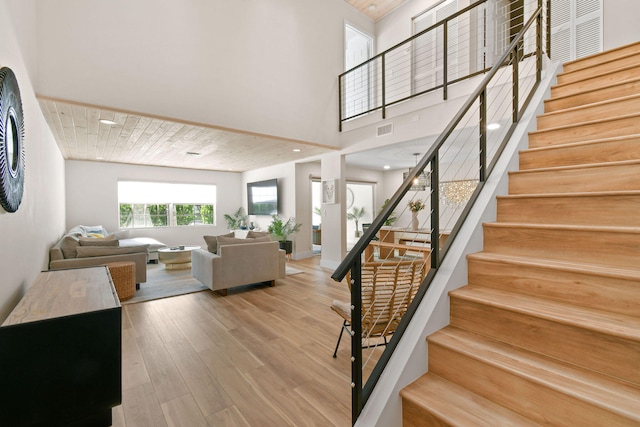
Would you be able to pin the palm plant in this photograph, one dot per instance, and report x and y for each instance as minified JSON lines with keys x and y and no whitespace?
{"x":355,"y":214}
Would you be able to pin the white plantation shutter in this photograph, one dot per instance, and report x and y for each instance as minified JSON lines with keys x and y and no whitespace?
{"x":576,"y":29}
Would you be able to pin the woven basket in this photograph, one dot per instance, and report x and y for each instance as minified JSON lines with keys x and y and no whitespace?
{"x":123,"y":275}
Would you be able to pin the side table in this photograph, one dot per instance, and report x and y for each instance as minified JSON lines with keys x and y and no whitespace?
{"x":123,"y":274}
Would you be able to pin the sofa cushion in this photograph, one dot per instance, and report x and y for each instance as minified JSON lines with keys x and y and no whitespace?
{"x":255,"y":234}
{"x":68,"y":245}
{"x":234,"y":241}
{"x":98,"y":241}
{"x":93,"y":251}
{"x":212,"y":242}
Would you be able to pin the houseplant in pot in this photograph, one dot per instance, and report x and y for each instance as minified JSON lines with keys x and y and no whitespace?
{"x":236,"y":221}
{"x":355,"y":214}
{"x":281,"y":230}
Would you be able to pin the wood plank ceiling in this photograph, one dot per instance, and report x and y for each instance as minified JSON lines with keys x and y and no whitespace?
{"x":141,"y":139}
{"x":375,"y":9}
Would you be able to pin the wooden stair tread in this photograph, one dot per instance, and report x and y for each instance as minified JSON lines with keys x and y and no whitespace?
{"x":605,"y":392}
{"x":580,"y":143}
{"x":631,"y":49}
{"x":580,"y":124}
{"x":569,"y":266}
{"x":438,"y":395}
{"x":618,"y":325}
{"x":563,"y":195}
{"x":607,"y":86}
{"x":594,"y":77}
{"x":591,"y":105}
{"x":622,"y":61}
{"x":565,"y":227}
{"x":575,"y":167}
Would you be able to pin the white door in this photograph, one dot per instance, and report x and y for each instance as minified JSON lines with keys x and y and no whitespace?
{"x":576,"y":29}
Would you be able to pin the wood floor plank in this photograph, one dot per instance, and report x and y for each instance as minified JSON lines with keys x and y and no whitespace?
{"x":259,"y":356}
{"x":183,"y":411}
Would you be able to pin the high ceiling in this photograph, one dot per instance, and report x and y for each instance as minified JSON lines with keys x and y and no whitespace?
{"x":138,"y":138}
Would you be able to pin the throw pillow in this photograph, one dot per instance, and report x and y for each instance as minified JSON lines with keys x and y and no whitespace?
{"x":254,"y":234}
{"x":93,"y":251}
{"x":94,"y":230}
{"x":100,"y":241}
{"x":212,"y":242}
{"x":68,"y":245}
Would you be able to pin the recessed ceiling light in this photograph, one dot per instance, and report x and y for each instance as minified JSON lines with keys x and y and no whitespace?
{"x":107,"y":122}
{"x":192,"y":153}
{"x":99,"y":158}
{"x":296,"y":150}
{"x":386,"y":167}
{"x":372,"y":7}
{"x":493,"y":126}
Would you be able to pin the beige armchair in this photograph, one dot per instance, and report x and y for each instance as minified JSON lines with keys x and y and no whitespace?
{"x":238,"y":264}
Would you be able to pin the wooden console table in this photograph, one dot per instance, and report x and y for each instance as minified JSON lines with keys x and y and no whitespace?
{"x":61,"y":351}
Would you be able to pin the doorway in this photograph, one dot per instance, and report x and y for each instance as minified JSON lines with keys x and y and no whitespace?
{"x":358,"y":48}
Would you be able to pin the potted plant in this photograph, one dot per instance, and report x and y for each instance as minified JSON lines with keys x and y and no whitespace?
{"x":355,"y":214}
{"x":281,"y":230}
{"x":237,"y":221}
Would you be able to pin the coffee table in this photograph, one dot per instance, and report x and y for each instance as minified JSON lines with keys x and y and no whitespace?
{"x":177,"y":257}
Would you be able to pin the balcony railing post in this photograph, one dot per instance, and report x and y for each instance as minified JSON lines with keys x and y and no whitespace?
{"x":548,"y":29}
{"x":384,"y":100}
{"x":356,"y":340}
{"x":445,"y":59}
{"x":340,"y":103}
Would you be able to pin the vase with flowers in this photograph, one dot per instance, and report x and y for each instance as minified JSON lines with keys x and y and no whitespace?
{"x":416,"y":206}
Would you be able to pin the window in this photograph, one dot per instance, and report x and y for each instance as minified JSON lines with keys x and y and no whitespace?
{"x":154,"y":204}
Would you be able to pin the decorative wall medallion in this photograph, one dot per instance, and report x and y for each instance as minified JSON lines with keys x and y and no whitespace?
{"x":11,"y":142}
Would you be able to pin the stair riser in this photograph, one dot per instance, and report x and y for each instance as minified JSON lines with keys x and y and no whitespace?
{"x":530,"y":399}
{"x":577,"y":210}
{"x":415,"y":416}
{"x":598,"y":95}
{"x":594,"y":350}
{"x":600,"y":68}
{"x":596,"y":82}
{"x":585,"y":132}
{"x":569,"y":155}
{"x":609,"y":110}
{"x":610,"y":55}
{"x":586,"y":290}
{"x":596,"y":247}
{"x":603,"y":178}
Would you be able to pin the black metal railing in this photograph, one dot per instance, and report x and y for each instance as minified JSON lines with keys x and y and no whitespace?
{"x":456,"y":48}
{"x":449,"y":176}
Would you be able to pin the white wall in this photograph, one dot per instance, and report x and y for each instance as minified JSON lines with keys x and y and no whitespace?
{"x":620,"y":23}
{"x":263,"y":66}
{"x":92,"y":197}
{"x":28,"y":233}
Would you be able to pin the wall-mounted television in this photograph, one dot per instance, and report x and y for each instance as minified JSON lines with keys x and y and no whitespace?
{"x":262,"y":197}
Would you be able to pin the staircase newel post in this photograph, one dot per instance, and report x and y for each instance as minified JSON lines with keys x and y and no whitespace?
{"x":539,"y":43}
{"x":356,"y":340}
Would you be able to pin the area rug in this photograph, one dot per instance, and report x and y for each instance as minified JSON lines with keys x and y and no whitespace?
{"x":163,"y":283}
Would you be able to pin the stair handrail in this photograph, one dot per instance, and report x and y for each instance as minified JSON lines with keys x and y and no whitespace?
{"x":352,"y":261}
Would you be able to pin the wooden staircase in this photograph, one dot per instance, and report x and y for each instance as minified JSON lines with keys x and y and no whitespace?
{"x":547,"y":332}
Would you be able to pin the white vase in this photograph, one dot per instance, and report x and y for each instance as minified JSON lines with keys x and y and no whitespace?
{"x":415,"y":224}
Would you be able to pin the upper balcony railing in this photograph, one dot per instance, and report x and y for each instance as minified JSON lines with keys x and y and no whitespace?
{"x":445,"y":182}
{"x":456,"y":48}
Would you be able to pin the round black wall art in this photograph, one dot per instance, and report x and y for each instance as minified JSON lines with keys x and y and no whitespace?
{"x":11,"y":142}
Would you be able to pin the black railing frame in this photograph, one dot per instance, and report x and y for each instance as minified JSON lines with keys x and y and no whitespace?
{"x":352,"y":262}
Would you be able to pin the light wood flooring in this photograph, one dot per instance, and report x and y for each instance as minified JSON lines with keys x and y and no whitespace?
{"x":260,"y":356}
